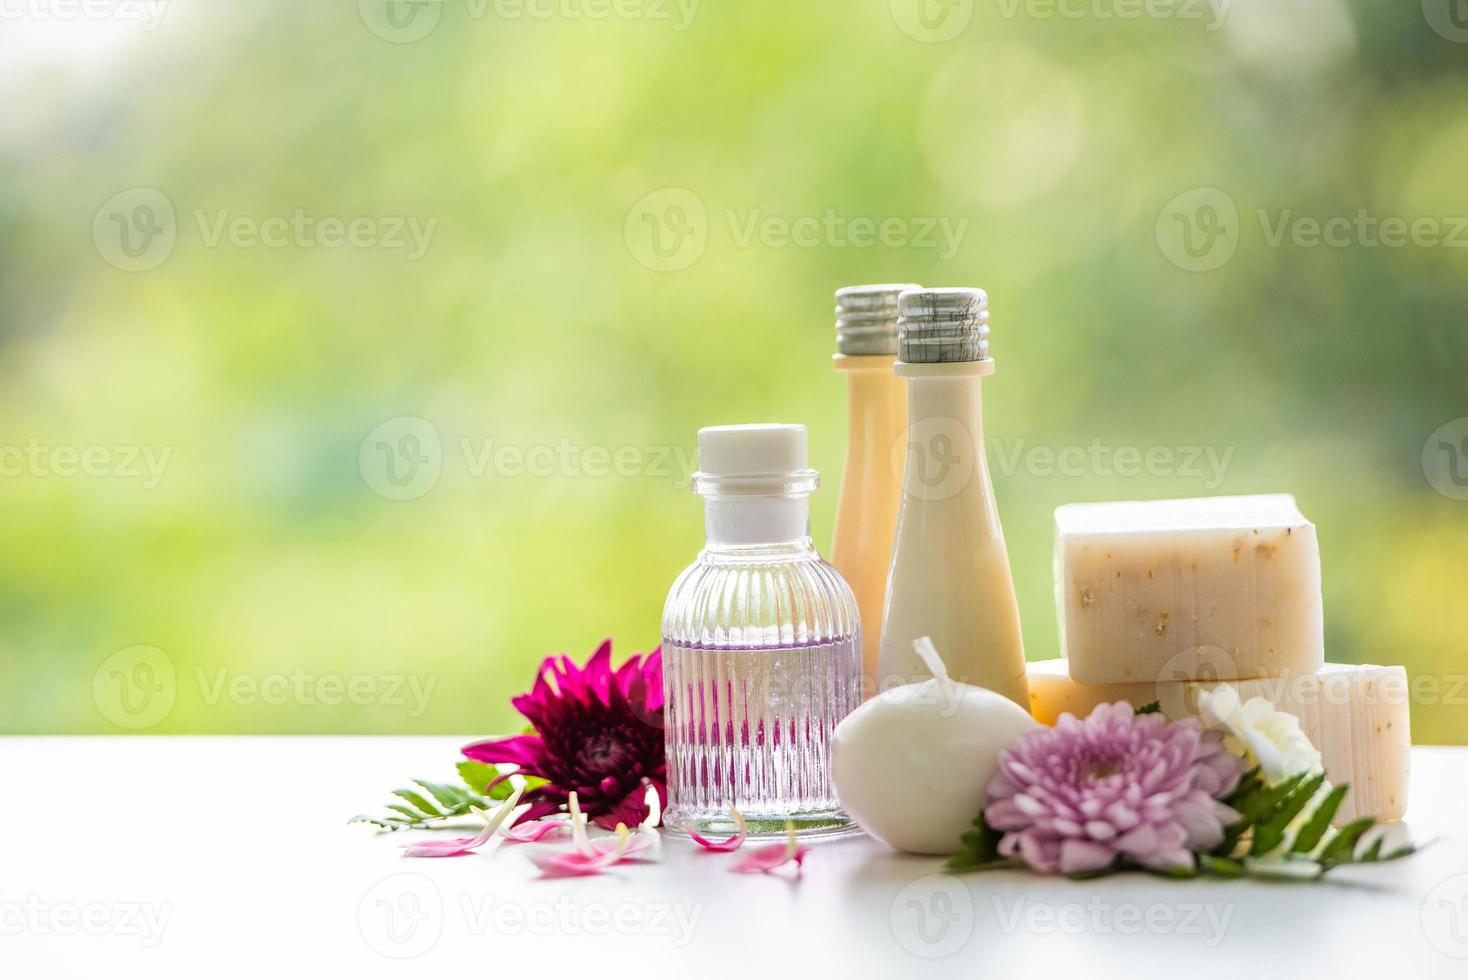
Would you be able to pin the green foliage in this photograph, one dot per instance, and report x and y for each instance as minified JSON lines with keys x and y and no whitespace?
{"x":980,"y":850}
{"x":415,"y":811}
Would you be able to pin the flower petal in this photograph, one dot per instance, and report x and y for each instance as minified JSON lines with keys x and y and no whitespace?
{"x":575,"y":863}
{"x":1078,"y":856}
{"x":529,"y":832}
{"x":730,"y":843}
{"x":763,"y":860}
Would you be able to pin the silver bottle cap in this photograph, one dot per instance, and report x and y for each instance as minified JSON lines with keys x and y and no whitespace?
{"x":866,"y":318}
{"x":943,"y":326}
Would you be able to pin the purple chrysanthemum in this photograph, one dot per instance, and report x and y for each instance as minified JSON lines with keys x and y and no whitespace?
{"x":597,"y":732}
{"x":1077,"y":797}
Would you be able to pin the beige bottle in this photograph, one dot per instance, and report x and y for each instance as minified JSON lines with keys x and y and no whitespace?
{"x":950,"y":574}
{"x":871,"y":489}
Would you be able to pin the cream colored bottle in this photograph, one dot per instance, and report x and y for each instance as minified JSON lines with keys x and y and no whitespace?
{"x":871,"y":489}
{"x":950,"y":575}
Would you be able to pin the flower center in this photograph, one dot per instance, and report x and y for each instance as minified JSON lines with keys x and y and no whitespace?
{"x":1104,"y":767}
{"x":602,"y":753}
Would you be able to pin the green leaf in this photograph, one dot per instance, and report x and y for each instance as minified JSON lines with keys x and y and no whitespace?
{"x":417,"y":810}
{"x":412,"y":815}
{"x":1269,"y":832}
{"x":416,"y":799}
{"x":1180,"y":873}
{"x":980,"y":849}
{"x":1150,"y":708}
{"x":1310,"y":834}
{"x":477,"y":775}
{"x":1220,"y":866}
{"x":1342,"y":847}
{"x":452,"y":797}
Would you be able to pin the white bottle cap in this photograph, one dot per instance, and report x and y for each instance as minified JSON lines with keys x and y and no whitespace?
{"x":754,"y":459}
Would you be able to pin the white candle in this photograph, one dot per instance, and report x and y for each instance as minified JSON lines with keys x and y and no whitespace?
{"x":910,"y":765}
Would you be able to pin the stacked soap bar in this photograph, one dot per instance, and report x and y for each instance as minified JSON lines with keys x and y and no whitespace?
{"x":1220,"y":587}
{"x":1158,"y":600}
{"x":1357,"y":715}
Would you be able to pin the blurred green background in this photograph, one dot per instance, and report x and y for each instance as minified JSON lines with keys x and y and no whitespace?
{"x":351,"y":354}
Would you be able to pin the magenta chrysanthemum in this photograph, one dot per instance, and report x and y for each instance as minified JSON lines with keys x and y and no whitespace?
{"x":597,"y":732}
{"x":1078,"y":797}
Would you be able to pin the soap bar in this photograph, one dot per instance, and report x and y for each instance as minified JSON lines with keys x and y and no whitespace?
{"x":1357,"y":715}
{"x":1215,"y":588}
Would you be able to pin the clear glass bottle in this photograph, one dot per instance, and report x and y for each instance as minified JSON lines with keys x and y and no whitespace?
{"x":761,"y":647}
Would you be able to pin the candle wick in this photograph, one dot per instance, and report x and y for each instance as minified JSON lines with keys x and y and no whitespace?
{"x":928,"y":654}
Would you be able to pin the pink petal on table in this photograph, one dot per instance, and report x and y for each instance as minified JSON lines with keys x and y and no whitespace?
{"x":578,"y":862}
{"x":638,"y":840}
{"x":452,"y":847}
{"x":455,"y":846}
{"x":730,"y":843}
{"x":534,"y":830}
{"x":765,"y":859}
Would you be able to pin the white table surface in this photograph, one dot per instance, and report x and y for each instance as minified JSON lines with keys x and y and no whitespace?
{"x":230,"y":857}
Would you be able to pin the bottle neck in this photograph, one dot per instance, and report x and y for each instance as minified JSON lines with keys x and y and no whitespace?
{"x":945,"y":462}
{"x":947,"y":400}
{"x":742,"y":521}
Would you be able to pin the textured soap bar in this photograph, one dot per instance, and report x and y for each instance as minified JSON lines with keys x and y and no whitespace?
{"x":1216,"y":588}
{"x":1356,"y":715}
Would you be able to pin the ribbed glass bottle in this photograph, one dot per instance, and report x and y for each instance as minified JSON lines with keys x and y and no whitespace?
{"x":761,"y":648}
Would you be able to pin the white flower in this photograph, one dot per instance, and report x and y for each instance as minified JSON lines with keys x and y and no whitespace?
{"x":1279,"y":745}
{"x":1273,"y":737}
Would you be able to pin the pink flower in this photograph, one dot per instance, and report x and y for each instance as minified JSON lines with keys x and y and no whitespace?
{"x":597,"y":733}
{"x":1080,"y":796}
